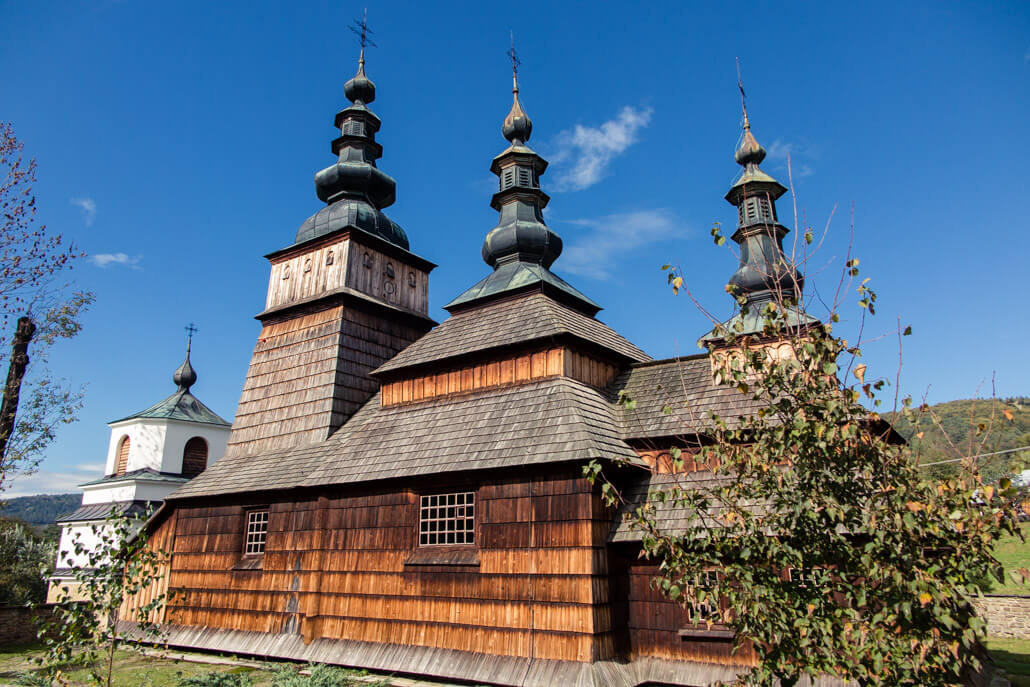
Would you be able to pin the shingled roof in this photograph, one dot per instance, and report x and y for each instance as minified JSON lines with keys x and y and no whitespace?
{"x":550,"y":421}
{"x":686,"y":386}
{"x":520,"y":320}
{"x":668,"y":516}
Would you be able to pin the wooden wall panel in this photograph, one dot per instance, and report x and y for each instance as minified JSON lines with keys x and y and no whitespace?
{"x":507,"y":370}
{"x":335,"y":567}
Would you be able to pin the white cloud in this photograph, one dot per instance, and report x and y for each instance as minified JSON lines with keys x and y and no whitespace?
{"x":594,"y":252}
{"x":782,"y":153}
{"x":88,"y":207}
{"x":584,"y":152}
{"x":50,"y":482}
{"x":107,"y":259}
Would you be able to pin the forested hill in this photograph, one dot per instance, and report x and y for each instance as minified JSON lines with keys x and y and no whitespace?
{"x":956,"y":435}
{"x":40,"y":510}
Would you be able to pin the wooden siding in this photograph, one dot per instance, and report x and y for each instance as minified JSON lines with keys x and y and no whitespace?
{"x":653,"y":622}
{"x":339,"y":262}
{"x":335,"y":566}
{"x":309,"y":373}
{"x":507,"y":370}
{"x":162,"y":541}
{"x":122,"y":460}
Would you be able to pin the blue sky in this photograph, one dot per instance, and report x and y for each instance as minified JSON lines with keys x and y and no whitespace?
{"x":176,"y":144}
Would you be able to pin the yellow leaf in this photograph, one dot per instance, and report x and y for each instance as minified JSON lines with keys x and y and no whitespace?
{"x":860,"y":373}
{"x":919,"y":435}
{"x":1007,"y":413}
{"x":924,"y":599}
{"x":988,"y":492}
{"x":914,"y":506}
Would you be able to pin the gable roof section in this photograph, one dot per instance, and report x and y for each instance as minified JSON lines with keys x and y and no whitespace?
{"x":182,"y":405}
{"x":685,"y":385}
{"x":503,"y":323}
{"x":551,"y":421}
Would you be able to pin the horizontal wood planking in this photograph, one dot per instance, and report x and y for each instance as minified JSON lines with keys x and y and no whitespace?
{"x":309,"y":373}
{"x":654,"y":623}
{"x":506,"y":370}
{"x":335,"y":568}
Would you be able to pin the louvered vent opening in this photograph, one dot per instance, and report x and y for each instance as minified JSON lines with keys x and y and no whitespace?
{"x":122,"y":461}
{"x":194,"y":457}
{"x":508,"y":178}
{"x":525,"y":177}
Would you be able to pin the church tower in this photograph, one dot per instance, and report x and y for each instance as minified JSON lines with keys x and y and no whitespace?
{"x":343,"y":299}
{"x":764,"y":275}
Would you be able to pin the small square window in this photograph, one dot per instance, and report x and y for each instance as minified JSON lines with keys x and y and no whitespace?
{"x":706,"y":611}
{"x":806,"y":577}
{"x":446,"y":519}
{"x":257,"y":530}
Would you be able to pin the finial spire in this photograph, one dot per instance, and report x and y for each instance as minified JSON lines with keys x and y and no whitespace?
{"x":186,"y":376}
{"x":360,"y":89}
{"x":517,"y":125}
{"x":749,"y":151}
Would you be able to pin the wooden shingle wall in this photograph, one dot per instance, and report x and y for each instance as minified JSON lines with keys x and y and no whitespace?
{"x":342,"y":566}
{"x":309,"y":373}
{"x":654,"y":623}
{"x":504,"y":370}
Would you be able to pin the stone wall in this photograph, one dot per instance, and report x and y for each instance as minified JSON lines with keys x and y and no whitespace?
{"x":1007,"y":616}
{"x":18,"y":623}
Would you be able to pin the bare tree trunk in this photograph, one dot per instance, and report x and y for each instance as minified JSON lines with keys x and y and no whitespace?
{"x":15,"y":373}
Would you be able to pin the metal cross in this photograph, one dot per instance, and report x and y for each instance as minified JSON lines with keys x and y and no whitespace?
{"x":743,"y":98}
{"x":515,"y":61}
{"x":191,"y":329}
{"x":361,"y":30}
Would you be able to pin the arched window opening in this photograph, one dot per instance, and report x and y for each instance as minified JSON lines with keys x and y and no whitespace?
{"x":121,"y":463}
{"x":194,"y":457}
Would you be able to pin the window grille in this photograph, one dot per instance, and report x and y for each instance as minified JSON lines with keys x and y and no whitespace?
{"x":446,"y":519}
{"x":708,"y":610}
{"x":806,"y":577}
{"x":257,"y":530}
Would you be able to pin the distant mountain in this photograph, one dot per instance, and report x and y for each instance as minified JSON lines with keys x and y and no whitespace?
{"x":972,"y":427}
{"x":41,"y":510}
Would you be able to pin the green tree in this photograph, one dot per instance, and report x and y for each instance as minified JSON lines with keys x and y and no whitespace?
{"x":118,"y":564}
{"x":832,"y":553}
{"x":26,"y":558}
{"x":42,"y":307}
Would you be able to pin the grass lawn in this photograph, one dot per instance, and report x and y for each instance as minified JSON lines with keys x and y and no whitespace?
{"x":1012,"y":656}
{"x":133,"y":669}
{"x":1013,"y":554}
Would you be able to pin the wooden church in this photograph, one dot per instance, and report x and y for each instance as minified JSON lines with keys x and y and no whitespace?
{"x":409,"y":497}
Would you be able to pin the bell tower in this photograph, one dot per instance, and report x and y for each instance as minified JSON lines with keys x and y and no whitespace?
{"x":344,"y":298}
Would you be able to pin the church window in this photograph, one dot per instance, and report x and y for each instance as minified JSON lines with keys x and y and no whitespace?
{"x":286,"y":271}
{"x":446,"y":519}
{"x":307,"y":264}
{"x":389,"y":270}
{"x":367,"y":260}
{"x":329,"y":258}
{"x":122,"y":460}
{"x":708,"y":610}
{"x":257,"y":530}
{"x":411,"y":279}
{"x":805,"y":577}
{"x":194,"y":457}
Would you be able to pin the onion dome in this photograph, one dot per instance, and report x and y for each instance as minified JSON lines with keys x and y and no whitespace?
{"x":354,"y":189}
{"x":518,"y":127}
{"x":185,"y":376}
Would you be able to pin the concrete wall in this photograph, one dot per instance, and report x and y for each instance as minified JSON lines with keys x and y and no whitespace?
{"x":1007,"y":616}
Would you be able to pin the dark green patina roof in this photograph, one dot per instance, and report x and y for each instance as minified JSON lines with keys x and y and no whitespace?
{"x":516,"y":276}
{"x":182,"y":405}
{"x":147,"y":474}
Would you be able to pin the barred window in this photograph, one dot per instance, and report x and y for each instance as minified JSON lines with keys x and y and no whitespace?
{"x":446,"y":519}
{"x":708,"y":610}
{"x":806,"y":577}
{"x":257,"y":529}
